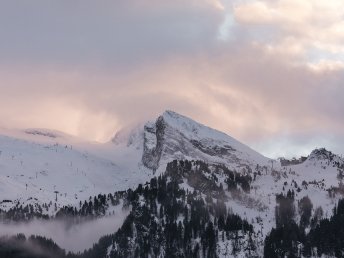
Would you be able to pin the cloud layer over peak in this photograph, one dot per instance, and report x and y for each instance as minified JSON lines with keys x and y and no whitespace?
{"x":266,"y":72}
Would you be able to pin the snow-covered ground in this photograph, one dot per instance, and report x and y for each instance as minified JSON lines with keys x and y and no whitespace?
{"x":311,"y":178}
{"x":42,"y":166}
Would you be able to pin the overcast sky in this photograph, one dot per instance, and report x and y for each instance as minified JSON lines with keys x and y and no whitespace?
{"x":269,"y":73}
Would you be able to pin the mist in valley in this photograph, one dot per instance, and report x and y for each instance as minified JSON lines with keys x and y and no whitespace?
{"x":71,"y":237}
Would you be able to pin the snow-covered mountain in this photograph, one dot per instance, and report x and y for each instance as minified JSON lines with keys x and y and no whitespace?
{"x":45,"y":166}
{"x":173,"y":136}
{"x":37,"y":163}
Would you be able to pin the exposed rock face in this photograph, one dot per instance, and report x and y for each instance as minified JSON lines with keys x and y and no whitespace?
{"x":174,"y":136}
{"x":153,"y":143}
{"x":321,"y":154}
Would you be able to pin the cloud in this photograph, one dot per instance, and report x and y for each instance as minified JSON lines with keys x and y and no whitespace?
{"x":104,"y":33}
{"x":301,"y":28}
{"x":257,"y":70}
{"x":71,"y":237}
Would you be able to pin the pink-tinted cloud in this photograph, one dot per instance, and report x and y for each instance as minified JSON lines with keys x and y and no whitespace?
{"x":105,"y":65}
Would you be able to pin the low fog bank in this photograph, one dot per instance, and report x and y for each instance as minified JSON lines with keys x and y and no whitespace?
{"x":73,"y":238}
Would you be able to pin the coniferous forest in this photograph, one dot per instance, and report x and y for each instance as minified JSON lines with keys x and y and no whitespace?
{"x":168,"y":220}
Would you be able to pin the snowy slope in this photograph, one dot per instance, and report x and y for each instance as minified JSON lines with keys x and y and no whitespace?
{"x":313,"y":178}
{"x":39,"y":165}
{"x":173,"y":136}
{"x":35,"y":163}
{"x":33,"y":167}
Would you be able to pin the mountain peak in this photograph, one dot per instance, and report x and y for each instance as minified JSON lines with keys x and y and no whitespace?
{"x":171,"y":113}
{"x":325,"y":158}
{"x":321,"y":154}
{"x":174,"y":118}
{"x":174,"y":136}
{"x":192,"y":128}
